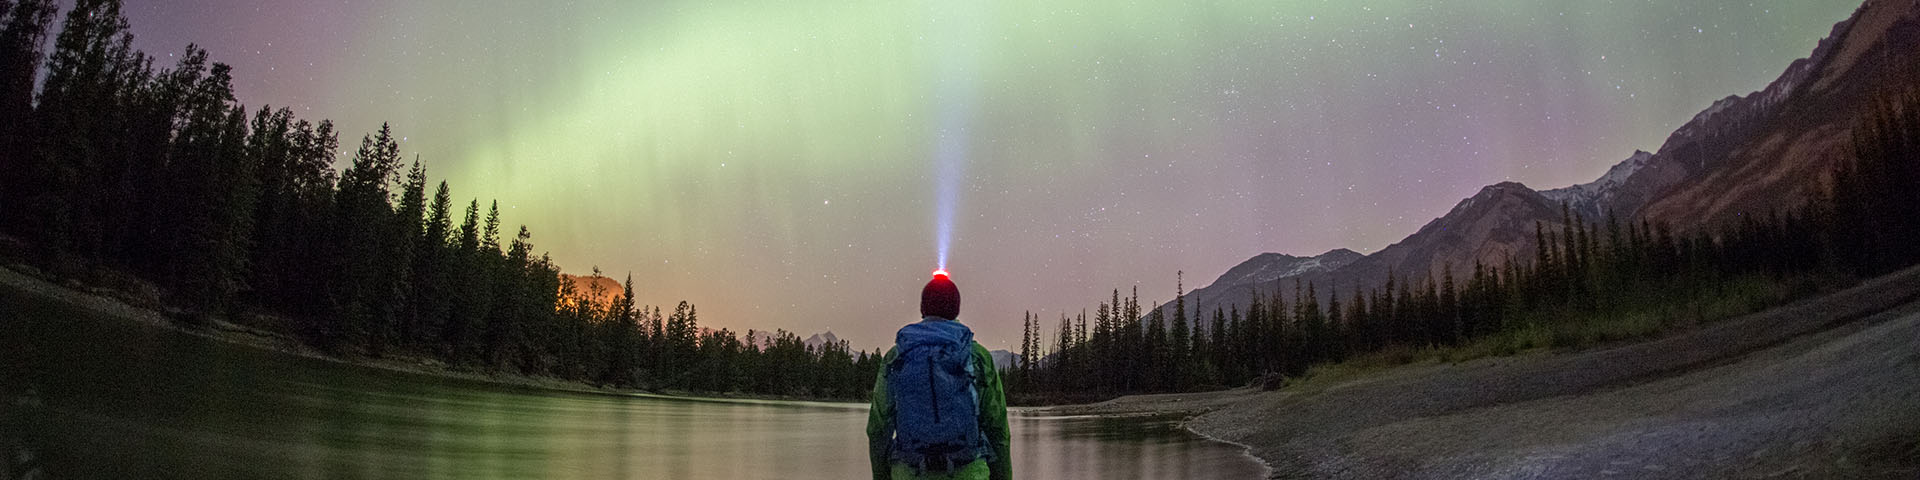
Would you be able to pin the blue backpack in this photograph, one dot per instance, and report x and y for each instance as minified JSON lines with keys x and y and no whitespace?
{"x":936,"y":406}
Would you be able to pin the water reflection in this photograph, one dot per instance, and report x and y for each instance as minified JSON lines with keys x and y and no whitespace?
{"x":87,"y":398}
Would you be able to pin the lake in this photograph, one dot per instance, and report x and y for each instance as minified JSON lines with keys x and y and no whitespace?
{"x":92,"y":397}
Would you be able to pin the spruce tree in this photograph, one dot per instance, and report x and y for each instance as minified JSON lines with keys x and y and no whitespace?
{"x":1448,"y":322}
{"x":79,"y":130}
{"x":212,"y":193}
{"x":1215,"y":354}
{"x":1337,"y":334}
{"x":1026,"y":352}
{"x":470,"y":228}
{"x":405,"y":235}
{"x":432,"y":275}
{"x":362,"y":243}
{"x":1102,"y":346}
{"x":1179,"y":346}
{"x":490,"y":234}
{"x":23,"y":37}
{"x":1158,"y":354}
{"x":270,"y":146}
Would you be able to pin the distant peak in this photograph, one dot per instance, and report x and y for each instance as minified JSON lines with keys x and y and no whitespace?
{"x":1271,"y":266}
{"x":1489,"y":195}
{"x":1272,"y":256}
{"x":1339,"y":252}
{"x":822,"y":338}
{"x":1504,"y":187}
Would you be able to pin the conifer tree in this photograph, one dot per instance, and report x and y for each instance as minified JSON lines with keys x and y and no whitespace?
{"x":1158,"y":354}
{"x":1214,"y":354}
{"x":23,"y":35}
{"x":1101,"y":345}
{"x":361,"y":243}
{"x":1448,"y":323}
{"x":469,"y":228}
{"x":1361,"y":324}
{"x":490,"y":234}
{"x":79,"y":129}
{"x":1336,"y":333}
{"x":1026,"y":350}
{"x":407,"y":229}
{"x":433,"y":275}
{"x":1179,"y":345}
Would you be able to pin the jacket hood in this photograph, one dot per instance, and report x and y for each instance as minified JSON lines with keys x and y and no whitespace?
{"x":933,"y":330}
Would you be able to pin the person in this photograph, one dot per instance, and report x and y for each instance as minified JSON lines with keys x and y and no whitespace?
{"x":938,"y":410}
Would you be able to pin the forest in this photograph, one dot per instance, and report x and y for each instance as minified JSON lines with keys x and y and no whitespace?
{"x":118,"y":173}
{"x":114,"y":167}
{"x":1587,"y":283}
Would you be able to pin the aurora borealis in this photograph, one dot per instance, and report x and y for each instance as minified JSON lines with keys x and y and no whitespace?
{"x":780,"y":164}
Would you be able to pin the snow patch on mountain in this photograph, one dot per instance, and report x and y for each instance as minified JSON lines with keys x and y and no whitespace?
{"x":820,"y":339}
{"x":1268,"y":267}
{"x":1590,"y":199}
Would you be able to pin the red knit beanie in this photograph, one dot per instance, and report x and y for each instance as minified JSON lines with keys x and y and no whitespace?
{"x":941,"y":298}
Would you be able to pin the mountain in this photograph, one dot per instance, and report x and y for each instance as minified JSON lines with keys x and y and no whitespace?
{"x":1487,"y":227}
{"x":1268,"y":267}
{"x":819,"y":339}
{"x":1264,"y":268}
{"x":1763,"y":152}
{"x":1775,"y":148}
{"x":1004,"y":360}
{"x":1769,"y":150}
{"x":1594,"y":200}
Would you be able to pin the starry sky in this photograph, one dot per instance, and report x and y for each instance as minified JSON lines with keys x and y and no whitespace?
{"x":786,"y":164}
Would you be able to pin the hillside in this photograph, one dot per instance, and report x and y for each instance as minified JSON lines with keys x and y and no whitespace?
{"x":1265,"y":269}
{"x":1795,"y":132}
{"x":1767,"y":151}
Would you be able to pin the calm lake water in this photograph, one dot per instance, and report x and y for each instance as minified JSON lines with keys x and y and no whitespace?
{"x":86,"y":397}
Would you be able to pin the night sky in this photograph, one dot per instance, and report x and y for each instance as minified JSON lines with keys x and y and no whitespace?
{"x":781,"y":164}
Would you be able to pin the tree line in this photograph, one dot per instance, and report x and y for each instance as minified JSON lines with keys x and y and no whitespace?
{"x":1864,"y":224}
{"x":112,"y":165}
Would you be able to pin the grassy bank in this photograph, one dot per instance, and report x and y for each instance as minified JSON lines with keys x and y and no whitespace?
{"x":1651,"y":314}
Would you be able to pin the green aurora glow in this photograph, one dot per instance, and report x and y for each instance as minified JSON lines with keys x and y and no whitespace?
{"x":772,"y":161}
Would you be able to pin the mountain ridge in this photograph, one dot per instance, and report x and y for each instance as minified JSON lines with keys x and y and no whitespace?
{"x":1741,"y":155}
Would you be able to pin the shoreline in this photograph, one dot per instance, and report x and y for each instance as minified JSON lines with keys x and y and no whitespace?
{"x":1419,"y":417}
{"x":122,"y":305}
{"x":145,"y":313}
{"x":1578,"y":412}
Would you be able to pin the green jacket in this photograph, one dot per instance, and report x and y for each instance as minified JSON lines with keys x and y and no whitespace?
{"x":993,"y":423}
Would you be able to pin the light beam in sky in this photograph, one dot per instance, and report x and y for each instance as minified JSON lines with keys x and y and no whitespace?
{"x":956,"y":91}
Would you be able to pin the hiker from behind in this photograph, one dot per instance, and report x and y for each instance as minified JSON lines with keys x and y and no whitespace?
{"x":939,"y":411}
